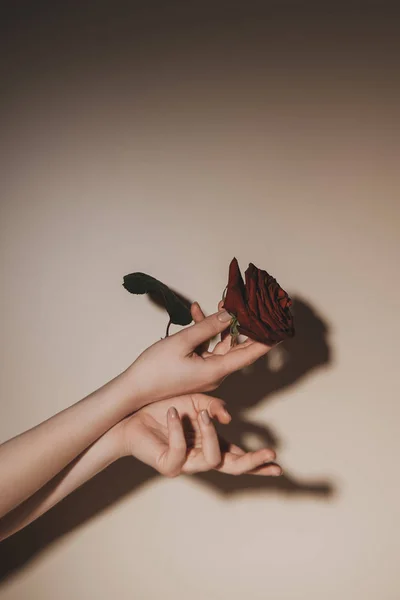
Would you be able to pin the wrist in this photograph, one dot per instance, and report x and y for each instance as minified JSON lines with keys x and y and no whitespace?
{"x":134,"y":397}
{"x":114,"y":442}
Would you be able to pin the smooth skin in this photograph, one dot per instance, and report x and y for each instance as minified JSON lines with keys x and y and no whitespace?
{"x":162,"y":420}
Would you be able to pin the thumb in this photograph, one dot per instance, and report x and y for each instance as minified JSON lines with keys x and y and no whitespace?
{"x":205,"y":329}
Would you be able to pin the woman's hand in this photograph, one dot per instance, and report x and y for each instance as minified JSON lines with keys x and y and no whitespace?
{"x":176,"y":366}
{"x":178,"y":436}
{"x":173,"y":436}
{"x":180,"y":364}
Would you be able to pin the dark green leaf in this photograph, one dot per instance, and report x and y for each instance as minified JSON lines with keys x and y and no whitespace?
{"x":177,"y":307}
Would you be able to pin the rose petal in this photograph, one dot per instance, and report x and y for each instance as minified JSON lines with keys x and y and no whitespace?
{"x":251,"y":289}
{"x":234,"y":301}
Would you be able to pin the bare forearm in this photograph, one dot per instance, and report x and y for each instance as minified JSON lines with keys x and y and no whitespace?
{"x":30,"y":460}
{"x":93,"y":460}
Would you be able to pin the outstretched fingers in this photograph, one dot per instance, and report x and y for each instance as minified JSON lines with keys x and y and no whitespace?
{"x":215,"y":407}
{"x":198,"y":316}
{"x":197,"y":313}
{"x":239,"y":462}
{"x":174,"y":457}
{"x":222,"y":347}
{"x":203,"y":330}
{"x":241,"y":356}
{"x":209,"y":439}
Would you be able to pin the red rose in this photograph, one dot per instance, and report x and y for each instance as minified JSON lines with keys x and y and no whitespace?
{"x":261,"y":306}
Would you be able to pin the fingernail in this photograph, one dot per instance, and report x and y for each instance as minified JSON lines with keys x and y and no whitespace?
{"x":173,"y":413}
{"x":224,"y":316}
{"x":205,"y":416}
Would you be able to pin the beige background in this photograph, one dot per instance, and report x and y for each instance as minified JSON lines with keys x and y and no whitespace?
{"x":168,"y":141}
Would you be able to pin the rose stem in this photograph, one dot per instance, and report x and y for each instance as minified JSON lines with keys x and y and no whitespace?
{"x":168,"y":326}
